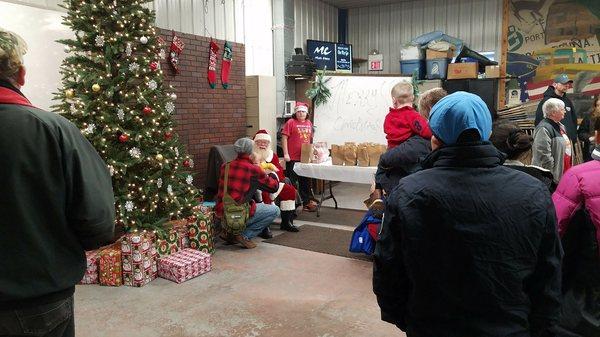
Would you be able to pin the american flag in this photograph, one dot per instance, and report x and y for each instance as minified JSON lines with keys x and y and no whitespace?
{"x":536,"y":90}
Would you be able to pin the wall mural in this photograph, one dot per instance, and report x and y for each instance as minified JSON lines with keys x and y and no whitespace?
{"x":549,"y":37}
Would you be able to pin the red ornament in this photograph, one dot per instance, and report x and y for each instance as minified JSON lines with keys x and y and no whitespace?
{"x":147,"y":110}
{"x":168,"y":135}
{"x":153,"y":65}
{"x":192,"y":219}
{"x":123,"y":138}
{"x":186,"y":163}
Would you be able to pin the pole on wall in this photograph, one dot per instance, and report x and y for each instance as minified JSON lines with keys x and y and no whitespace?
{"x":504,"y":54}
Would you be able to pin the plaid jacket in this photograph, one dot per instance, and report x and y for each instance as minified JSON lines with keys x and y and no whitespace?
{"x":244,"y":179}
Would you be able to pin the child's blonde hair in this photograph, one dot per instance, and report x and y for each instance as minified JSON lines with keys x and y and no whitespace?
{"x":403,"y":93}
{"x":12,"y":49}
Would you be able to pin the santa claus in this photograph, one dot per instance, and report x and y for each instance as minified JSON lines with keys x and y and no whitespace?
{"x":286,"y":194}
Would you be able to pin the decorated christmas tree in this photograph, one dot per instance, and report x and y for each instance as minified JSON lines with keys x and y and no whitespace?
{"x":113,"y":90}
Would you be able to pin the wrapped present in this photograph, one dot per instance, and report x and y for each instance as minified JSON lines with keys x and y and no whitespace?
{"x":200,"y":234}
{"x":110,"y":271}
{"x":169,"y":244}
{"x":184,"y":265}
{"x":139,"y":259}
{"x":91,"y":271}
{"x":181,"y":227}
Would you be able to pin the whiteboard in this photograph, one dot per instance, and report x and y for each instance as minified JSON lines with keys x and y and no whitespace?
{"x":40,"y":28}
{"x":356,"y":109}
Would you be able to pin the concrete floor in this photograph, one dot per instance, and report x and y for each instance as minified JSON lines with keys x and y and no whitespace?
{"x":349,"y":195}
{"x":270,"y":291}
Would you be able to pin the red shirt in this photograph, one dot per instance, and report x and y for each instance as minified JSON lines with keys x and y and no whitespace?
{"x":243,"y":173}
{"x":298,"y":133}
{"x":403,"y":123}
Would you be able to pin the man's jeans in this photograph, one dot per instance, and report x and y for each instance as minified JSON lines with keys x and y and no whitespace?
{"x":47,"y":320}
{"x":263,"y":217}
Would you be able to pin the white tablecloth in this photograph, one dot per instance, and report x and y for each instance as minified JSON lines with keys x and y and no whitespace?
{"x":327,"y":171}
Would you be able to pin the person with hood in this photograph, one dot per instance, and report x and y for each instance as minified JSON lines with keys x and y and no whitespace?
{"x":468,"y":247}
{"x":516,"y":144}
{"x":56,"y":201}
{"x":577,"y":202}
{"x":558,"y":90}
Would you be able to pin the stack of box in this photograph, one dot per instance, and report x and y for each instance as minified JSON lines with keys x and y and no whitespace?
{"x":184,"y":265}
{"x":437,"y":63}
{"x":139,"y":259}
{"x":411,"y":60}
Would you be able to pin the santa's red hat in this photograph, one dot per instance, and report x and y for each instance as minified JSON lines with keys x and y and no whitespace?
{"x":301,"y":106}
{"x":262,"y":135}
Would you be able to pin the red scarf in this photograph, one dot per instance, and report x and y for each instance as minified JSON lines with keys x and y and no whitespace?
{"x":8,"y":96}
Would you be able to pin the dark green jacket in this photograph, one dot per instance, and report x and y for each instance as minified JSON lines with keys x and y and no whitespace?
{"x":56,"y":200}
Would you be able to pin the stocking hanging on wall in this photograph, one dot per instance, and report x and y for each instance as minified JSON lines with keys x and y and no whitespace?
{"x":212,"y":64}
{"x":174,"y":52}
{"x":226,"y":65}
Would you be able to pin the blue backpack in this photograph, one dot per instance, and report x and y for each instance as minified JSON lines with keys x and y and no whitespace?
{"x":361,"y":241}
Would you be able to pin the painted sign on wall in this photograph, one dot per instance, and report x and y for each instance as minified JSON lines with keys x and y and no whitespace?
{"x":550,"y":37}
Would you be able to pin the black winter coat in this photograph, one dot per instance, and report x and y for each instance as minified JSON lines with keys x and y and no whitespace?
{"x":400,"y":161}
{"x":570,"y":119}
{"x":469,"y":248}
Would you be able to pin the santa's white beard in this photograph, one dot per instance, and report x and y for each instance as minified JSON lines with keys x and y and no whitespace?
{"x":263,"y":155}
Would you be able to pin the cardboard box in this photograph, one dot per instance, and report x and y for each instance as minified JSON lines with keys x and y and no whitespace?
{"x":492,"y":71}
{"x":462,"y":70}
{"x":434,"y":54}
{"x":251,"y":86}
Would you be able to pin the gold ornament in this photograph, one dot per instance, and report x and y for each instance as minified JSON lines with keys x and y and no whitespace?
{"x":69,"y":93}
{"x":159,"y":157}
{"x":96,"y":87}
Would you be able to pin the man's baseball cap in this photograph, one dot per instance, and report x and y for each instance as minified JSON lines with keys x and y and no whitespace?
{"x":562,"y":79}
{"x":458,"y":112}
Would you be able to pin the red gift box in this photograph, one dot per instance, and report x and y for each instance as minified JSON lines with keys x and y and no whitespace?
{"x":139,"y":259}
{"x":184,"y":265}
{"x":91,"y":271}
{"x":110,"y":266}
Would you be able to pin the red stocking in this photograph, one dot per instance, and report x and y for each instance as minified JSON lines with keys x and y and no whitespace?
{"x":227,"y":56}
{"x":212,"y":64}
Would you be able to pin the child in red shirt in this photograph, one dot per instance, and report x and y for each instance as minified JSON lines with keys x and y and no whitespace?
{"x":403,"y":121}
{"x":295,"y":132}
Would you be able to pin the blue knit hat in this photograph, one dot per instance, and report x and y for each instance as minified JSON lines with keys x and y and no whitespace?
{"x":458,"y":112}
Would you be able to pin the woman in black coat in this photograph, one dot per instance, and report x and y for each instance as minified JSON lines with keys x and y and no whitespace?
{"x":516,"y":144}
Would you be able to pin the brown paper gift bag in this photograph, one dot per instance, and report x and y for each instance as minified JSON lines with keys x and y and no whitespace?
{"x":349,"y":154}
{"x":306,"y":154}
{"x":375,"y":151}
{"x":337,"y":155}
{"x":362,"y":155}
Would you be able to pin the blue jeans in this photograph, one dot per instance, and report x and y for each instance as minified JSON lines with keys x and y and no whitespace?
{"x":262,"y":218}
{"x":48,"y":320}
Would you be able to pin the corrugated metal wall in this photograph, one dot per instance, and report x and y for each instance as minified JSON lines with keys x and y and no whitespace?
{"x":387,"y":27}
{"x":314,"y":20}
{"x":221,"y":19}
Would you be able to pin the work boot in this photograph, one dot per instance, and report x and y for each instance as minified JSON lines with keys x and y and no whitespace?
{"x":228,"y":238}
{"x":266,"y":233}
{"x":287,"y":223}
{"x":248,"y":244}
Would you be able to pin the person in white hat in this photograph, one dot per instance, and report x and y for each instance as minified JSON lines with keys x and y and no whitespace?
{"x":286,"y":193}
{"x":295,"y":132}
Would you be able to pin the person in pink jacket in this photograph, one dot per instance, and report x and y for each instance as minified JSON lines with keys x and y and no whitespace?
{"x":577,"y":203}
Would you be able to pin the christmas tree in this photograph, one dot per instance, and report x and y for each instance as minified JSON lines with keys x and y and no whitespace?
{"x":113,"y":90}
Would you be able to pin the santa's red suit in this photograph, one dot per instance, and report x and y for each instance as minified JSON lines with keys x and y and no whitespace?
{"x":286,"y":192}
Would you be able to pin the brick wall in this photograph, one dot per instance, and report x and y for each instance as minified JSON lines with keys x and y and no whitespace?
{"x":205,"y":116}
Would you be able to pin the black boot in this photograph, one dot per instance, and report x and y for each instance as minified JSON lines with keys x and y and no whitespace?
{"x":287,"y":222}
{"x":266,"y":233}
